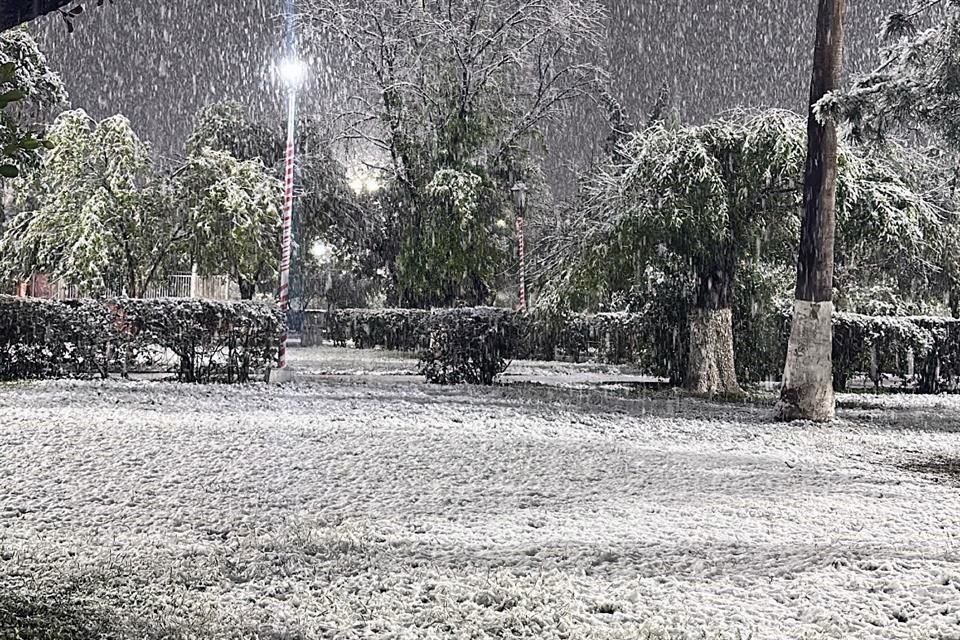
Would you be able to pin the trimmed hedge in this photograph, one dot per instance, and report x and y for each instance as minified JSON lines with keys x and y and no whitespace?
{"x":393,"y":329}
{"x":471,"y":346}
{"x":939,"y":369}
{"x":874,"y":345}
{"x":610,"y":337}
{"x":209,"y":340}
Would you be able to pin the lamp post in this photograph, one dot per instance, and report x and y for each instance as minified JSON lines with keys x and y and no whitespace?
{"x":292,"y":72}
{"x":520,"y":199}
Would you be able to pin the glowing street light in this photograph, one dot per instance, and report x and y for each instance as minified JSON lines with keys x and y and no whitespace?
{"x":292,"y":72}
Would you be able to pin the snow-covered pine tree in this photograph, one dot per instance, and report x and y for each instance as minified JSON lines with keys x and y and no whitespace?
{"x":915,"y":87}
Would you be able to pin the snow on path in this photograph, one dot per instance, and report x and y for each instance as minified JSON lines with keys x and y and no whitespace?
{"x":401,"y":511}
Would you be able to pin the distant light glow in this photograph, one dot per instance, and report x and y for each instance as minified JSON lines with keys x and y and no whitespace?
{"x":321,"y":251}
{"x":363,"y":180}
{"x":293,"y":72}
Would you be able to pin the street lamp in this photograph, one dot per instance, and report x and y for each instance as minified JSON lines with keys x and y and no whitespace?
{"x":293,"y":73}
{"x":520,"y":199}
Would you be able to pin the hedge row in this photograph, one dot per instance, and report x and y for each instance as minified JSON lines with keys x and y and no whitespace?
{"x":200,"y":340}
{"x":611,"y":337}
{"x":924,"y":350}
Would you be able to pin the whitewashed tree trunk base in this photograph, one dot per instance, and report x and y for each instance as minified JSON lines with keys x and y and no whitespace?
{"x":710,"y":362}
{"x":807,"y":392}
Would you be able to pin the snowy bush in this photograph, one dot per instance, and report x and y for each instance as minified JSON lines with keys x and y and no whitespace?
{"x":212,"y":339}
{"x":939,"y":369}
{"x":393,"y":329}
{"x":84,"y":338}
{"x":613,"y":338}
{"x":875,"y":345}
{"x":471,"y":346}
{"x":654,"y":339}
{"x":46,"y":339}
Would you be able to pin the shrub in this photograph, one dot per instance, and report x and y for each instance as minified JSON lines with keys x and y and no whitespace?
{"x":211,"y":339}
{"x":471,"y":346}
{"x":83,"y":338}
{"x":613,"y":338}
{"x":875,"y":344}
{"x":47,"y":339}
{"x":393,"y":329}
{"x":939,"y":369}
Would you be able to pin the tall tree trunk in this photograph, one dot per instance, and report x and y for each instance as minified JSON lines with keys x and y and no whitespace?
{"x":807,"y":392}
{"x":247,"y":289}
{"x":710,"y":362}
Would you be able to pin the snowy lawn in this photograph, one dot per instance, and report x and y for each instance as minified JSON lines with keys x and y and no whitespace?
{"x":387,"y":509}
{"x":339,"y":362}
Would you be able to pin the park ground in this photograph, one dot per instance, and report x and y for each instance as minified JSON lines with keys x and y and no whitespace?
{"x":360,"y":503}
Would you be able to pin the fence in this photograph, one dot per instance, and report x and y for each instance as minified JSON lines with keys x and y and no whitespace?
{"x":175,"y":286}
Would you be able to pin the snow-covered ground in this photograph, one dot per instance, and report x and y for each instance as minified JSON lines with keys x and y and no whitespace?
{"x":334,"y":362}
{"x":377,"y":508}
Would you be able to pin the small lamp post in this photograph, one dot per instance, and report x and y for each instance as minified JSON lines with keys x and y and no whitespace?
{"x":520,"y":199}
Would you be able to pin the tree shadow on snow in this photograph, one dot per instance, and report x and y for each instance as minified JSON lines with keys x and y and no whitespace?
{"x":940,"y":468}
{"x":49,"y":616}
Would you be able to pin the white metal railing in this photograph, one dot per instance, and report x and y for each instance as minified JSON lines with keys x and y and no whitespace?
{"x":176,"y":286}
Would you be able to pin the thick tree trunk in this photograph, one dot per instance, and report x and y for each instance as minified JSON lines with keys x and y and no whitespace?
{"x":247,"y":289}
{"x":807,"y":392}
{"x":710,"y":362}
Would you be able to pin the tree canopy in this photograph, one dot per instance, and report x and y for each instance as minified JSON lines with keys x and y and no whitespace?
{"x":29,"y":91}
{"x":459,"y":89}
{"x":700,"y":214}
{"x":915,"y":87}
{"x":99,"y":215}
{"x":234,"y":211}
{"x":95,"y":215}
{"x":689,"y":191}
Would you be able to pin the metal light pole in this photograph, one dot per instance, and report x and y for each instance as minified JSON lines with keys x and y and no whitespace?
{"x":292,"y":73}
{"x":520,"y":198}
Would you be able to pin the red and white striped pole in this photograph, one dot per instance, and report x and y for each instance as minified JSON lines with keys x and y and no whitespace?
{"x":523,"y":264}
{"x":287,"y":245}
{"x":520,"y":200}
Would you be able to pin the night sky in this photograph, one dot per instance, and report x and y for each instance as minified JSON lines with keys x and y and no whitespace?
{"x":159,"y":61}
